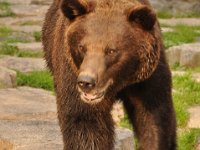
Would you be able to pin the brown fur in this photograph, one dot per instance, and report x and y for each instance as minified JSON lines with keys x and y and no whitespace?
{"x":123,"y":38}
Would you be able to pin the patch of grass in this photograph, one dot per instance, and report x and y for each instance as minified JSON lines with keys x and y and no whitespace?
{"x":187,"y":94}
{"x":182,"y":34}
{"x":37,"y":79}
{"x":5,"y":31}
{"x":6,"y":49}
{"x":5,"y":10}
{"x":37,"y":36}
{"x":167,"y":15}
{"x":29,"y":23}
{"x":187,"y":140}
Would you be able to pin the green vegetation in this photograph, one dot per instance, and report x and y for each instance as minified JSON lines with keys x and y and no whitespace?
{"x":37,"y":79}
{"x":182,"y":34}
{"x":186,"y":93}
{"x":29,"y":23}
{"x":5,"y":10}
{"x":167,"y":15}
{"x":6,"y":49}
{"x":37,"y":36}
{"x":187,"y":139}
{"x":5,"y":31}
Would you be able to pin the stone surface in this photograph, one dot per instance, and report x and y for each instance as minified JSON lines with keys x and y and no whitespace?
{"x":25,"y":103}
{"x":194,"y":121}
{"x":32,"y":47}
{"x":28,"y":121}
{"x":124,"y":139}
{"x":23,"y":64}
{"x":186,"y":55}
{"x":31,"y":20}
{"x":27,"y":28}
{"x":177,"y":6}
{"x":196,"y":77}
{"x":117,"y":112}
{"x":166,"y":29}
{"x":177,"y":21}
{"x":29,"y":10}
{"x":7,"y":78}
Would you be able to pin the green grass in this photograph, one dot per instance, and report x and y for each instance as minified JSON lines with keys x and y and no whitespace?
{"x":37,"y":79}
{"x":187,"y":94}
{"x":5,"y":31}
{"x":29,"y":23}
{"x":168,"y":15}
{"x":37,"y":36}
{"x":5,"y":10}
{"x":6,"y":49}
{"x":187,"y":139}
{"x":182,"y":34}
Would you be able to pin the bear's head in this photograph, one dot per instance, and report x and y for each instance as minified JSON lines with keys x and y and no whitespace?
{"x":113,"y":44}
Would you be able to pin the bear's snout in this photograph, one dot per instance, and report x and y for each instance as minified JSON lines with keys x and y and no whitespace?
{"x":86,"y":82}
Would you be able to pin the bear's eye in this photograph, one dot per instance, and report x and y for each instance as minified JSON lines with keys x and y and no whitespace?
{"x":81,"y":49}
{"x":111,"y":51}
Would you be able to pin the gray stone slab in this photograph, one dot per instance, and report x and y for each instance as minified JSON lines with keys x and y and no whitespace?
{"x":25,"y":103}
{"x":185,"y":21}
{"x":23,"y":64}
{"x":31,"y":135}
{"x":7,"y":78}
{"x":33,"y":20}
{"x":32,"y":47}
{"x":194,"y":121}
{"x":27,"y":28}
{"x":29,"y":10}
{"x":186,"y":55}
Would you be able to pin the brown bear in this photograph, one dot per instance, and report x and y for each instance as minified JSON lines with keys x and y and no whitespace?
{"x":102,"y":50}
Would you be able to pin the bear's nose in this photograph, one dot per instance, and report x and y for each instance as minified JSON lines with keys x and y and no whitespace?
{"x":86,"y":83}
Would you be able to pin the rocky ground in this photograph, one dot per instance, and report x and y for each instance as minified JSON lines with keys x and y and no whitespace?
{"x":28,"y":122}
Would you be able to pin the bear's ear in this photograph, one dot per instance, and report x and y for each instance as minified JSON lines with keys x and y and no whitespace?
{"x":144,"y":16}
{"x":74,"y":8}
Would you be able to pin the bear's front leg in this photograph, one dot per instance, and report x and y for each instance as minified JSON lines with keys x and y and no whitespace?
{"x":150,"y":109}
{"x":84,"y":127}
{"x":154,"y":126}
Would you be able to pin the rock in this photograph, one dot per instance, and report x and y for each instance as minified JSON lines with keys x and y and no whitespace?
{"x":27,"y":29}
{"x":187,"y":55}
{"x":184,"y":21}
{"x":117,"y":112}
{"x":196,"y":77}
{"x":7,"y":78}
{"x":32,"y":134}
{"x":31,"y":20}
{"x":21,"y":36}
{"x":173,"y":55}
{"x":194,"y":121}
{"x":124,"y":139}
{"x":29,"y":10}
{"x":23,"y":104}
{"x":177,"y":6}
{"x":32,"y":47}
{"x":23,"y":64}
{"x":166,"y":29}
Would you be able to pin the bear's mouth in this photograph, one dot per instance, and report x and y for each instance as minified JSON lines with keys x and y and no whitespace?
{"x":97,"y":95}
{"x":92,"y":98}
